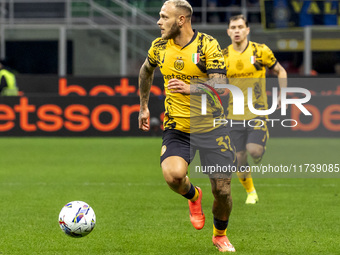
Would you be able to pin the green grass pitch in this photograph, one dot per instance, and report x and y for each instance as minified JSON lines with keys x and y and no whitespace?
{"x":138,"y":214}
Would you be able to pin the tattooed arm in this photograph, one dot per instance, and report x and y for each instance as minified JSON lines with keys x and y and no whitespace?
{"x":214,"y":78}
{"x":179,"y":86}
{"x":145,"y":79}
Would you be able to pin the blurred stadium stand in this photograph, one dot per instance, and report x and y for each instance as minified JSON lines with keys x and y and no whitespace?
{"x":111,"y":37}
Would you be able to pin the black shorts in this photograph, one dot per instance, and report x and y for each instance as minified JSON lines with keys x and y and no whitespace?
{"x":215,"y":147}
{"x":251,"y":131}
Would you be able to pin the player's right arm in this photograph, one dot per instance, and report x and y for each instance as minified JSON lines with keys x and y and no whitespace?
{"x":145,"y":79}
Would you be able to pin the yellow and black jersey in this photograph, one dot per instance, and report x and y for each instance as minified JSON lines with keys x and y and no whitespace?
{"x":191,"y":63}
{"x":247,"y":69}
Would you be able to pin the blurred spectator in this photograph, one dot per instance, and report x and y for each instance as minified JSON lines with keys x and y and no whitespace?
{"x":8,"y":85}
{"x":337,"y":68}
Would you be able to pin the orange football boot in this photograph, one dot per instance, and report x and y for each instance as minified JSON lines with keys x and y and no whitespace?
{"x":197,"y":217}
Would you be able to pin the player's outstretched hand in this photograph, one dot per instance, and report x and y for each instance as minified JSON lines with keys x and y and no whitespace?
{"x":144,"y":119}
{"x":178,"y":86}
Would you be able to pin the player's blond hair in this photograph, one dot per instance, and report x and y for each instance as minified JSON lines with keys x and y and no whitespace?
{"x":182,"y":4}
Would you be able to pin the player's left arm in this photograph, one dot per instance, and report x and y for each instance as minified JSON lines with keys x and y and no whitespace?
{"x":217,"y":78}
{"x":281,"y":74}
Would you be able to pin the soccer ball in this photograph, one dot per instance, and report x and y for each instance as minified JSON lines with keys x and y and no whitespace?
{"x":77,"y":219}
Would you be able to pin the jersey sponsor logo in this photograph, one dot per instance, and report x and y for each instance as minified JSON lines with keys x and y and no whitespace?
{"x":179,"y":64}
{"x":217,"y":55}
{"x":180,"y":77}
{"x":239,"y":65}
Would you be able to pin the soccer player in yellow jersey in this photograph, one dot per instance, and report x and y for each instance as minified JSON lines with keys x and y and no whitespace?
{"x":246,"y":64}
{"x":184,"y":55}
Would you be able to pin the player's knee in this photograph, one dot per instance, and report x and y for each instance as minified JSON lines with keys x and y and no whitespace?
{"x":222,"y":192}
{"x":256,"y":152}
{"x":173,"y":175}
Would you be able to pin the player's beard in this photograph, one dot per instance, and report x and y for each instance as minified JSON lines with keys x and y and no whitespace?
{"x":173,"y":33}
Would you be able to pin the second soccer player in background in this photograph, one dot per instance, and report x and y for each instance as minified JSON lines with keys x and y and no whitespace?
{"x":246,"y":64}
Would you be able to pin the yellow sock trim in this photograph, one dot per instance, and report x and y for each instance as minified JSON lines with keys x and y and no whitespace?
{"x":247,"y":181}
{"x":197,"y":194}
{"x":217,"y":232}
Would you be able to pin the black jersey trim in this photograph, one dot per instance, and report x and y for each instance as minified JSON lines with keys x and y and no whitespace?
{"x":245,"y":47}
{"x":271,"y":67}
{"x":153,"y":65}
{"x":192,"y":39}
